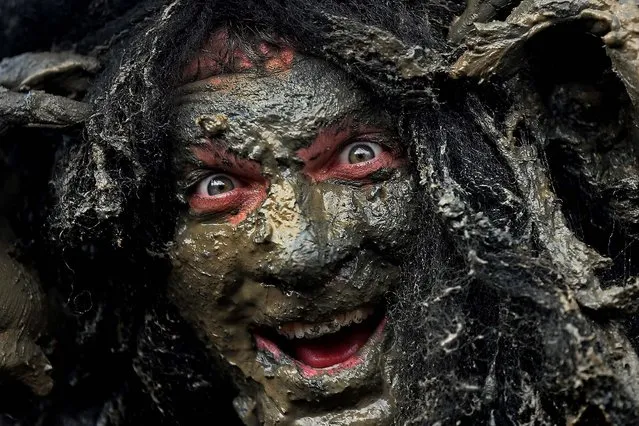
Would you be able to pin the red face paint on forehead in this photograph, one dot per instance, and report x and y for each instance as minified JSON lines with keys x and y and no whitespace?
{"x":221,"y":55}
{"x":278,"y":59}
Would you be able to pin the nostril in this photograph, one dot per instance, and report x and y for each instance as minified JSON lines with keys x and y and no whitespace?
{"x":301,"y":277}
{"x":291,"y":281}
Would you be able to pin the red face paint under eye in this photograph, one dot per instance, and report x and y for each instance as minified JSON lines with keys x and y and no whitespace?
{"x":324,"y":160}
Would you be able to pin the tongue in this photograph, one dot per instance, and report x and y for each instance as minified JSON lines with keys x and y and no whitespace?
{"x":332,"y":349}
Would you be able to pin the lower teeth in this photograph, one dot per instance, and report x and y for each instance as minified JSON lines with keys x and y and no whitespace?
{"x":330,"y":348}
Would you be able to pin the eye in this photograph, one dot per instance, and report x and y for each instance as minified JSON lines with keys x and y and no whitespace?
{"x":215,"y":185}
{"x":359,"y":152}
{"x":233,"y":198}
{"x":351,"y":156}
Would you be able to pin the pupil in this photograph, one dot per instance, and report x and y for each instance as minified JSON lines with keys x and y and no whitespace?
{"x":219,"y":185}
{"x":360,"y":153}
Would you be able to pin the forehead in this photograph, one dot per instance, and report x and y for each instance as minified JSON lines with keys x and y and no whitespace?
{"x":290,"y":105}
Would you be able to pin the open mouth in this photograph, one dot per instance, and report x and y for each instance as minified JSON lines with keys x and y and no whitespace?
{"x":326,"y":344}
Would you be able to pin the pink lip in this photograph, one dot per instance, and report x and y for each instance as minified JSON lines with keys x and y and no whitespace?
{"x":264,"y":344}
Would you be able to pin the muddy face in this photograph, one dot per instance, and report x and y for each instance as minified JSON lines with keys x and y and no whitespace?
{"x":299,"y":207}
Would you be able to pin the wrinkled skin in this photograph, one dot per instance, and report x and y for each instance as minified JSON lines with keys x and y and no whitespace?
{"x":313,"y":245}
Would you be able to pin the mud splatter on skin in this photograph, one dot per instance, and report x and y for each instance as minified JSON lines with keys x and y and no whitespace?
{"x":310,"y":250}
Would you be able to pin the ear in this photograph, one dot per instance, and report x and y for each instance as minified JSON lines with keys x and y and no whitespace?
{"x":65,"y":74}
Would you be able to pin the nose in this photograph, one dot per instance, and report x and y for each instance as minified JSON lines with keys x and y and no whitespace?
{"x":292,"y":232}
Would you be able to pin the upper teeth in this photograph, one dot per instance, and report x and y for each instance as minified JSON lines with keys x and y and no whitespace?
{"x":300,"y":330}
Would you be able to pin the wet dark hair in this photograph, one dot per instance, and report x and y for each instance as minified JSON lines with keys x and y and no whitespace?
{"x":481,"y":322}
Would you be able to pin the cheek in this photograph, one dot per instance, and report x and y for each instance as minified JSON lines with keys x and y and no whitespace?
{"x":203,"y":273}
{"x":392,"y":208}
{"x":380,"y":213}
{"x":205,"y":285}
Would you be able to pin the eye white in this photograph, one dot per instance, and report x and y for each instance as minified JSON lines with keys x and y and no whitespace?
{"x":359,"y":152}
{"x":216,"y":184}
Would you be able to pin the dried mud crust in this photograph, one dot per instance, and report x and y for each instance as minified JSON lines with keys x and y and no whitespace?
{"x":568,"y":134}
{"x":585,"y":115}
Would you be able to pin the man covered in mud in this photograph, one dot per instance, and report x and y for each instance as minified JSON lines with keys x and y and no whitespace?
{"x":347,"y":213}
{"x":300,"y":206}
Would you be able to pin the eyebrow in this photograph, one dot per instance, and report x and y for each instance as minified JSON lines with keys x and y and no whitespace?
{"x":209,"y":154}
{"x":328,"y":138}
{"x":325,"y":138}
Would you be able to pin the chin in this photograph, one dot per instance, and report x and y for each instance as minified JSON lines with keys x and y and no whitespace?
{"x":330,"y":372}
